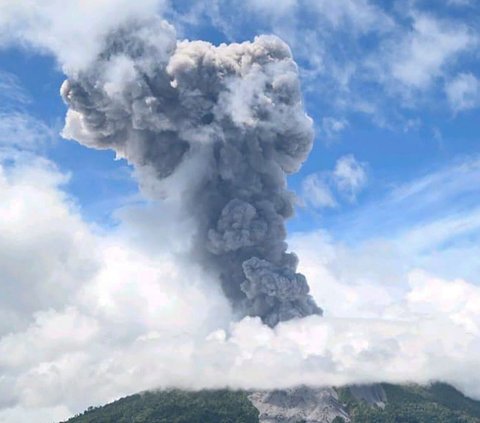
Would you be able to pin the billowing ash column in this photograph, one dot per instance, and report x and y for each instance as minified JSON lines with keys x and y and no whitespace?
{"x":231,"y":118}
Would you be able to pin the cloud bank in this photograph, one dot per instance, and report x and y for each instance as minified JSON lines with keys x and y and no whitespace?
{"x":118,"y":317}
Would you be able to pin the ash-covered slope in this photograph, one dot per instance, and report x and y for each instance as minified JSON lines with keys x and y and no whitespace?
{"x":301,"y":404}
{"x":437,"y":403}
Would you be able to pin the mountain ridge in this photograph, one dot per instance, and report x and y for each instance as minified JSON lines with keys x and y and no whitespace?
{"x":437,"y":402}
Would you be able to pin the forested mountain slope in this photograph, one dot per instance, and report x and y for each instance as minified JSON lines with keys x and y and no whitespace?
{"x":437,"y":403}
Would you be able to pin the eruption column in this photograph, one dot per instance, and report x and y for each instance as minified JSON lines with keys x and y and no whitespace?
{"x":231,"y":118}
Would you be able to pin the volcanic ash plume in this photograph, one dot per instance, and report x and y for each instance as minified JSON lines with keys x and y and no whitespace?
{"x":230,"y":118}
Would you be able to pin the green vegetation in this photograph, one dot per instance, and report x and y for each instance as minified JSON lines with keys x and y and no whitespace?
{"x":175,"y":406}
{"x":439,"y":403}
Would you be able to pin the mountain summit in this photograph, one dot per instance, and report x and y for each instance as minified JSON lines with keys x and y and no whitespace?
{"x":436,"y":403}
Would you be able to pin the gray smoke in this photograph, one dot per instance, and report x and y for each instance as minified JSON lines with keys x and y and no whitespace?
{"x":230,"y":117}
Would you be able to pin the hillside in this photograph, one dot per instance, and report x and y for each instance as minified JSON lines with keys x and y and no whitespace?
{"x":382,"y":403}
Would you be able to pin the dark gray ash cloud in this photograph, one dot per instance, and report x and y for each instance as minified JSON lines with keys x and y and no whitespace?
{"x":231,"y":118}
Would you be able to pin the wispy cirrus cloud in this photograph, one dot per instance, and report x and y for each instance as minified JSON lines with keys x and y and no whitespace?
{"x":11,"y":91}
{"x":425,"y":51}
{"x":21,"y":130}
{"x":317,"y":192}
{"x":18,"y":128}
{"x":332,"y":127}
{"x":431,"y":222}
